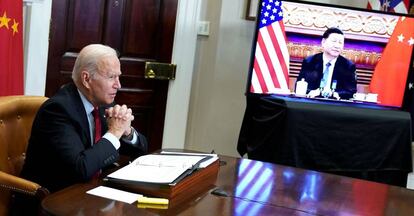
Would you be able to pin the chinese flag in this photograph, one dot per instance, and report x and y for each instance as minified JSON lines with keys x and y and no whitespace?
{"x":11,"y":47}
{"x":390,"y":73}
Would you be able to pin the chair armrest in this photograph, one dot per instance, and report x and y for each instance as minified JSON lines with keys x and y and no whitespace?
{"x":20,"y":185}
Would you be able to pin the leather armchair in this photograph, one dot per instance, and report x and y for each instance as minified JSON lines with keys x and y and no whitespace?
{"x":16,"y":117}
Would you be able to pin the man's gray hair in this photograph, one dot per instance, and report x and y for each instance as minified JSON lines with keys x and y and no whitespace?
{"x":88,"y":59}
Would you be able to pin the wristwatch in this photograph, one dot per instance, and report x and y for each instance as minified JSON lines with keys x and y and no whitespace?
{"x":130,"y":135}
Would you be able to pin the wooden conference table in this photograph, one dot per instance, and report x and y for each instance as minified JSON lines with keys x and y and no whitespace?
{"x":253,"y":188}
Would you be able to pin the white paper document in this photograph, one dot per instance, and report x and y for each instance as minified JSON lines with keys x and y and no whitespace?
{"x":157,"y":168}
{"x":204,"y":164}
{"x":114,"y":194}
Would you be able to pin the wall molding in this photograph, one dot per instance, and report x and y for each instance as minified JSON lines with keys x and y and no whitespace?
{"x":184,"y":48}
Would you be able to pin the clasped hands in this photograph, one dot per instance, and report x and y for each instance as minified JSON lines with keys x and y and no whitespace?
{"x":119,"y":120}
{"x":326,"y":93}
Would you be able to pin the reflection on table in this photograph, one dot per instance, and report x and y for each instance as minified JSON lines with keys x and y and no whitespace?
{"x":254,"y":188}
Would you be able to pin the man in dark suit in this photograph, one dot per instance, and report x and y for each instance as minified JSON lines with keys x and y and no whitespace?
{"x":329,"y":74}
{"x":64,"y":147}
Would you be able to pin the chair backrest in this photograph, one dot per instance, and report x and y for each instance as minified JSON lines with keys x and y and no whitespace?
{"x":16,"y":117}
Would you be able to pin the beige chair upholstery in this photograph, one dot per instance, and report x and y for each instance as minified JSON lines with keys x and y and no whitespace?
{"x":16,"y":117}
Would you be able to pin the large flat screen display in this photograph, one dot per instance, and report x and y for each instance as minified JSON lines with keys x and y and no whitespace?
{"x":333,"y":53}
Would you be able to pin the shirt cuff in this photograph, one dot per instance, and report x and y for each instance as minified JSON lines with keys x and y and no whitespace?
{"x":113,"y":139}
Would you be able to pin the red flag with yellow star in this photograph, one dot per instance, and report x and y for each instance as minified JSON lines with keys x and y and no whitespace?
{"x":391,"y":71}
{"x":11,"y":47}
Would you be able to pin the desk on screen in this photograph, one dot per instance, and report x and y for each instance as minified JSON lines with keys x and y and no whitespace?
{"x":354,"y":139}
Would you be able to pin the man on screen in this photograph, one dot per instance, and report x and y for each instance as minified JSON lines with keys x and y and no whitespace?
{"x":329,"y":74}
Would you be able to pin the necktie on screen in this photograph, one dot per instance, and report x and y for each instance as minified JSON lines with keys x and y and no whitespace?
{"x":325,"y":77}
{"x":97,"y":120}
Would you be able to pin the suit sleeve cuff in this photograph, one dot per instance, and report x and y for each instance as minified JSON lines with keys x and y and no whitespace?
{"x":113,"y":139}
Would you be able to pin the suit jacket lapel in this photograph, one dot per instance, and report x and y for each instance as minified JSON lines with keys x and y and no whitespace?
{"x":79,"y":115}
{"x":337,"y":69}
{"x":319,"y":66}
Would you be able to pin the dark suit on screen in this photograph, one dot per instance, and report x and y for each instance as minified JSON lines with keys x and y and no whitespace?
{"x":60,"y":152}
{"x":344,"y":73}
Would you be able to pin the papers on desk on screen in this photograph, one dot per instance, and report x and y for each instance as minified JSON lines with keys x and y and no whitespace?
{"x":165,"y":168}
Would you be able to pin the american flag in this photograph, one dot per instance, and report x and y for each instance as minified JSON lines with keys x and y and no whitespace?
{"x":271,"y":63}
{"x":398,"y":6}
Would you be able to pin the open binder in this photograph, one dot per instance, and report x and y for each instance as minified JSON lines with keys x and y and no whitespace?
{"x":166,"y":175}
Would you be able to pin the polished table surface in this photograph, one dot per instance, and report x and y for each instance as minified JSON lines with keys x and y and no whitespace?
{"x":253,"y":188}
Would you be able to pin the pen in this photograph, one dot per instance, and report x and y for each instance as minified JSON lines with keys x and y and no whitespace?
{"x":150,"y":200}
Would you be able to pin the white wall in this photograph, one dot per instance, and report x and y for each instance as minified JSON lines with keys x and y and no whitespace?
{"x":222,"y":60}
{"x":36,"y":43}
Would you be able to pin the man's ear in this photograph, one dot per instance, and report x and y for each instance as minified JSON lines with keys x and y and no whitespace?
{"x":85,"y":79}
